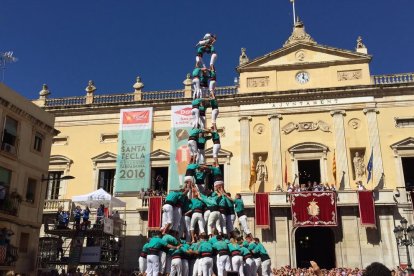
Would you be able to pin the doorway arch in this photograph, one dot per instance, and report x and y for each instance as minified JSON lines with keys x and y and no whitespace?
{"x":315,"y":244}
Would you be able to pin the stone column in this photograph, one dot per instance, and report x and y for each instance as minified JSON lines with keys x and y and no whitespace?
{"x":378,"y":169}
{"x":245,"y":152}
{"x":342,"y":169}
{"x":275,"y":150}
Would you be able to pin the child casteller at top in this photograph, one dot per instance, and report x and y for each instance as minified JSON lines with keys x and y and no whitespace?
{"x":206,"y":45}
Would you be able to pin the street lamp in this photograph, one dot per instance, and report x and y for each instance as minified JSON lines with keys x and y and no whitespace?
{"x":404,"y":235}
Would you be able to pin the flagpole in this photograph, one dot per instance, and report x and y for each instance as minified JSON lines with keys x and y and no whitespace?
{"x":294,"y":12}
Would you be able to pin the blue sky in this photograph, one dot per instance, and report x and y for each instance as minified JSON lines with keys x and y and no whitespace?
{"x":67,"y":43}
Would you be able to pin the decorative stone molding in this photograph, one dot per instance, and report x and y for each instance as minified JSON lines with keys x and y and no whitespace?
{"x":349,"y":75}
{"x":370,"y":109}
{"x":243,"y":57}
{"x":104,"y":158}
{"x":300,"y":55}
{"x":223,"y":155}
{"x":354,"y":123}
{"x":259,"y":129}
{"x":160,"y":155}
{"x":60,"y":162}
{"x":274,"y":116}
{"x":258,"y":82}
{"x":335,"y":112}
{"x":109,"y":138}
{"x":161,"y":135}
{"x":243,"y":118}
{"x":299,"y":35}
{"x":60,"y":141}
{"x":306,"y":126}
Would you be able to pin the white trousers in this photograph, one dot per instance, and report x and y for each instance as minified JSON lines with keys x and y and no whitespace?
{"x":196,"y":117}
{"x":176,"y":218}
{"x":258,"y":263}
{"x":192,"y":145}
{"x":223,"y":264}
{"x":197,"y":268}
{"x":167,"y":215}
{"x":212,"y":86}
{"x":142,"y":264}
{"x":176,"y":267}
{"x":243,"y":222}
{"x":213,"y":58}
{"x":216,"y":149}
{"x":201,"y":156}
{"x":237,"y":264}
{"x":197,"y":218}
{"x":196,"y":88}
{"x":185,"y":267}
{"x":199,"y":62}
{"x":266,"y":270}
{"x":221,"y":225}
{"x":230,"y":223}
{"x":206,"y":265}
{"x":213,"y":222}
{"x":250,"y":267}
{"x":185,"y":227}
{"x":206,"y":216}
{"x":153,"y":265}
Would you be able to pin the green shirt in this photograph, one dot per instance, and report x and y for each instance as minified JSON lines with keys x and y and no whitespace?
{"x":169,"y":239}
{"x":195,"y":132}
{"x":213,"y":240}
{"x":234,"y":247}
{"x":238,"y":205}
{"x":199,"y":177}
{"x":205,"y":247}
{"x":192,"y":166}
{"x":209,"y":201}
{"x":145,"y":248}
{"x":196,"y":204}
{"x":215,"y":136}
{"x":213,"y":104}
{"x":220,"y":245}
{"x":157,"y":243}
{"x":244,"y":251}
{"x":196,"y":72}
{"x":196,"y":102}
{"x":259,"y":249}
{"x":186,"y":205}
{"x":173,"y":197}
{"x":215,"y":170}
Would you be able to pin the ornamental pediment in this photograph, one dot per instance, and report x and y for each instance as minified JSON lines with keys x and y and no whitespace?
{"x":407,"y":143}
{"x":160,"y":154}
{"x":304,"y":54}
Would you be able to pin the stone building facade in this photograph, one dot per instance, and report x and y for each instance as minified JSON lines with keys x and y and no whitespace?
{"x":26,"y":139}
{"x":298,"y":108}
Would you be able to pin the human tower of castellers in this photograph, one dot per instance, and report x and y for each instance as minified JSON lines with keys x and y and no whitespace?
{"x":197,"y":236}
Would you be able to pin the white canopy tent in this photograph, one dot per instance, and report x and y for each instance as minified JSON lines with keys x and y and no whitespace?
{"x":98,"y":197}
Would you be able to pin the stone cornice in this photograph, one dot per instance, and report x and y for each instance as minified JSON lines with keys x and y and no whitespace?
{"x":377,"y":91}
{"x":33,"y":120}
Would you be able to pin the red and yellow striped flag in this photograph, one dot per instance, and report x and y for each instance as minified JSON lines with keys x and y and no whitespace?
{"x":334,"y":167}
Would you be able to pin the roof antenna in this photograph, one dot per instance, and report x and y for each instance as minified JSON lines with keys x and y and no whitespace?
{"x":6,"y":57}
{"x":294,"y":12}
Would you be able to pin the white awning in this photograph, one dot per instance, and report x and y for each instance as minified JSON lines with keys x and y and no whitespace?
{"x":98,"y":197}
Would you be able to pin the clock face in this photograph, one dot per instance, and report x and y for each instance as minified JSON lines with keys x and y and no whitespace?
{"x":302,"y":77}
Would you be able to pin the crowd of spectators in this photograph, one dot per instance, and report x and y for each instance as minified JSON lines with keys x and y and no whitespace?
{"x":376,"y":269}
{"x":310,"y":187}
{"x":146,"y":194}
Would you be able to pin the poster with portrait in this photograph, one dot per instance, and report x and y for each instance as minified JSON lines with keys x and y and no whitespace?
{"x":133,"y":164}
{"x":181,"y":121}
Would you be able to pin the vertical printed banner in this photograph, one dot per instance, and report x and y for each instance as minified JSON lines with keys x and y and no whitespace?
{"x":133,"y":166}
{"x":180,"y":153}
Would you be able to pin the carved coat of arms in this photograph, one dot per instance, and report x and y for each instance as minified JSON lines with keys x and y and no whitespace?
{"x":313,"y":208}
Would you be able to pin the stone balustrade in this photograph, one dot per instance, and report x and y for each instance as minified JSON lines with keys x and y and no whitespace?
{"x":129,"y":97}
{"x":393,"y":78}
{"x":52,"y":205}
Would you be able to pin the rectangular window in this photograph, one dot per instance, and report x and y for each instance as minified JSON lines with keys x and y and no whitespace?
{"x":5,"y":179}
{"x":9,"y":139}
{"x":53,"y":185}
{"x":404,"y":122}
{"x":24,"y":242}
{"x":38,"y":142}
{"x":31,"y":190}
{"x":106,"y":180}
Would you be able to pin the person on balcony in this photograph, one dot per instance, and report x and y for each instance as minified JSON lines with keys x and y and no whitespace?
{"x":77,"y":214}
{"x":85,"y":217}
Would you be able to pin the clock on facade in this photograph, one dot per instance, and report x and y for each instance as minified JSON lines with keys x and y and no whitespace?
{"x":302,"y":77}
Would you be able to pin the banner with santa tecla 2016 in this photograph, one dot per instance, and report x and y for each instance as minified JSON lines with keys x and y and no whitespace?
{"x":133,"y":166}
{"x":181,"y":124}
